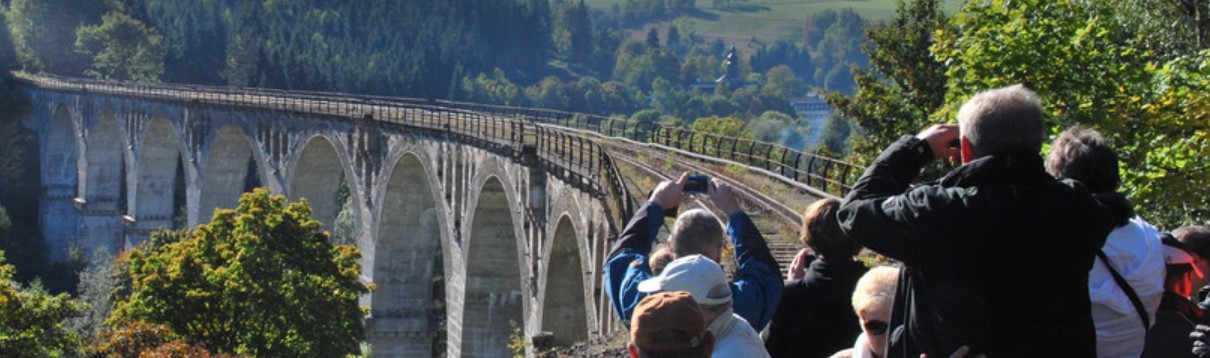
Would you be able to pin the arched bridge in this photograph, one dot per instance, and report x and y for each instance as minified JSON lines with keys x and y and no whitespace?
{"x":471,"y":219}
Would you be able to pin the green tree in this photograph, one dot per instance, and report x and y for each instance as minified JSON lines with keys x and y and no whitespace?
{"x":903,"y":86}
{"x":122,"y":48}
{"x":259,"y":280}
{"x":781,"y":81}
{"x":8,"y":54}
{"x":31,"y":325}
{"x":44,"y":30}
{"x":572,"y":31}
{"x":1173,"y":28}
{"x":653,"y":38}
{"x":1071,"y":54}
{"x":1164,"y":149}
{"x":771,"y":126}
{"x":98,"y":281}
{"x":724,"y":126}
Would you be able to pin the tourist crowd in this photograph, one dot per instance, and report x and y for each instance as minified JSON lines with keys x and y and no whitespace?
{"x":1012,"y":254}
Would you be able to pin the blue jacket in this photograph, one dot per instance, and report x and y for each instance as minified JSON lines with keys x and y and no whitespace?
{"x":755,"y":286}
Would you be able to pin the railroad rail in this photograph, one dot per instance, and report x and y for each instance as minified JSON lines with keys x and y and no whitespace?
{"x":558,"y":136}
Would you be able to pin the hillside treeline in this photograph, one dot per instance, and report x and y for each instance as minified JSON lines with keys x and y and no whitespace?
{"x":549,"y":53}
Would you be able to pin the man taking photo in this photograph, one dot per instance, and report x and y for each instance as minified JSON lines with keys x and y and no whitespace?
{"x":997,"y":251}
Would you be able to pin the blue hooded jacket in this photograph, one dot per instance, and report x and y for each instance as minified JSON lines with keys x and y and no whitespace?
{"x":755,"y":287}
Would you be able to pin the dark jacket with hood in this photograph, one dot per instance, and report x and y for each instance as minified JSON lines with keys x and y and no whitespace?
{"x":996,"y":253}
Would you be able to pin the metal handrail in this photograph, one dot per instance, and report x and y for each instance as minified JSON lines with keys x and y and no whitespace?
{"x":587,"y":166}
{"x":809,"y":168}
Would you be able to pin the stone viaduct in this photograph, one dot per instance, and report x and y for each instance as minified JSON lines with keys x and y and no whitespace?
{"x":467,"y":224}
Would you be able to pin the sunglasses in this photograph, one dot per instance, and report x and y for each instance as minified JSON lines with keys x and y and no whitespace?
{"x":875,"y":327}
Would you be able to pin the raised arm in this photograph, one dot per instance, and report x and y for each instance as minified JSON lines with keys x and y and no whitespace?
{"x":756,"y":286}
{"x":880,"y":212}
{"x":627,"y":264}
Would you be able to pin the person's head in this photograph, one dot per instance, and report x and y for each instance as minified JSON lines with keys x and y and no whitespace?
{"x":1196,"y":239}
{"x":701,"y":277}
{"x":1178,"y":264}
{"x":1000,"y":120}
{"x":872,"y":300}
{"x":1084,"y":155}
{"x":669,"y":325}
{"x":697,"y":232}
{"x":659,"y":259}
{"x":821,"y":232}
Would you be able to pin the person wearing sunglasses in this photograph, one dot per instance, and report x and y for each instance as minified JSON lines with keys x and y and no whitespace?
{"x":872,"y":300}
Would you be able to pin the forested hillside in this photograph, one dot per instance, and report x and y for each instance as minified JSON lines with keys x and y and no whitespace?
{"x":1137,"y":70}
{"x":557,"y":54}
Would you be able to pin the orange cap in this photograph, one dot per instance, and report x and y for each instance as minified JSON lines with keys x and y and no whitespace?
{"x":668,"y":321}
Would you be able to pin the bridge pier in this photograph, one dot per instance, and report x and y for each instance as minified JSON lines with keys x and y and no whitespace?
{"x":60,"y":220}
{"x":100,"y":226}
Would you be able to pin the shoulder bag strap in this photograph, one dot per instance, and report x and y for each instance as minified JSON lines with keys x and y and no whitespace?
{"x":1134,"y":297}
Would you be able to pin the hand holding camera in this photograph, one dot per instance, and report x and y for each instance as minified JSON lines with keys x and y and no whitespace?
{"x":669,"y":194}
{"x":723,"y":198}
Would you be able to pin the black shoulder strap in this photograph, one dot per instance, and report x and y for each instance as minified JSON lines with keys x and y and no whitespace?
{"x":1134,"y":297}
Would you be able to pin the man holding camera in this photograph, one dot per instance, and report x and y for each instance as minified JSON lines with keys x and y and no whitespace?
{"x":756,"y":284}
{"x":997,"y":252}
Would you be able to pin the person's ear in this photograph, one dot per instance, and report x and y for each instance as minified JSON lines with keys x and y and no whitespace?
{"x":968,"y":153}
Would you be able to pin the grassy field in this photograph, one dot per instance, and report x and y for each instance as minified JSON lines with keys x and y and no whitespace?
{"x":768,"y":19}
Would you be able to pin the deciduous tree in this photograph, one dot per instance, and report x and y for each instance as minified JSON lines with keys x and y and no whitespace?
{"x":904,"y":84}
{"x":122,"y":48}
{"x":31,"y":325}
{"x":261,"y":280}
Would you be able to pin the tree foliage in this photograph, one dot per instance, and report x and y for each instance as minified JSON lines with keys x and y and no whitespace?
{"x":1070,"y":53}
{"x":122,"y":48}
{"x":1165,"y":147}
{"x":44,"y":31}
{"x":259,"y":280}
{"x":1091,"y":63}
{"x":904,"y":85}
{"x":1171,"y":28}
{"x":31,"y":325}
{"x":142,"y":339}
{"x":724,"y":126}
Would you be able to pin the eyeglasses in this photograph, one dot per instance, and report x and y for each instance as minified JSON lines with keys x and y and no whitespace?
{"x":875,"y":327}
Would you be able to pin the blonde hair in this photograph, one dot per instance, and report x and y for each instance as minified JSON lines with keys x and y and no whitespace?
{"x":876,"y":287}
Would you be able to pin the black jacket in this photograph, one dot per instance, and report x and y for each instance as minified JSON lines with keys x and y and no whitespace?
{"x":815,"y":317}
{"x":997,"y":253}
{"x":1169,"y":337}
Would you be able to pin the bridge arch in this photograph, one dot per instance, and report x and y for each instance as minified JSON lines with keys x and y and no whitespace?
{"x":494,"y":299}
{"x":564,"y":312}
{"x":60,"y":151}
{"x":408,"y":266}
{"x":317,"y":175}
{"x":225,"y":173}
{"x":105,"y":164}
{"x":160,"y":161}
{"x":60,"y":159}
{"x":101,"y":199}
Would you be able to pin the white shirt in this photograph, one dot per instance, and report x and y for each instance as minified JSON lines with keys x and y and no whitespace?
{"x":1137,"y":254}
{"x":734,"y":337}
